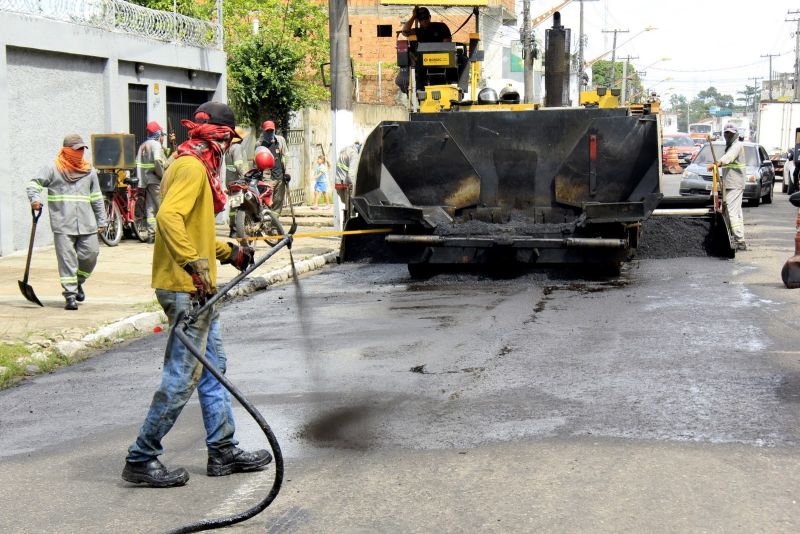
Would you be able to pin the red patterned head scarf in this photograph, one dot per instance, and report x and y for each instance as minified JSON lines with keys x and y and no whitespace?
{"x":202,"y":144}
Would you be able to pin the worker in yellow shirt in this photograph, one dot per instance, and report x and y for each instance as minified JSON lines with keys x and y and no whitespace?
{"x":184,"y":273}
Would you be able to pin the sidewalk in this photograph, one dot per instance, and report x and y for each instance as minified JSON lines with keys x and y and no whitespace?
{"x":119,"y":292}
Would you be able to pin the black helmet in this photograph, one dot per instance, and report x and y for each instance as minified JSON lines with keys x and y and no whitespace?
{"x":487,"y":95}
{"x":509,"y":95}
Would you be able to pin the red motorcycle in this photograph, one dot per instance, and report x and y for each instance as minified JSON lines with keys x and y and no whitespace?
{"x":254,"y":201}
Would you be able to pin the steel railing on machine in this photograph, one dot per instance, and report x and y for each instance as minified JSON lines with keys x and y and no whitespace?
{"x":122,"y":17}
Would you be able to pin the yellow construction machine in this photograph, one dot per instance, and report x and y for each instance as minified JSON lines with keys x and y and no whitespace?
{"x":483,"y":179}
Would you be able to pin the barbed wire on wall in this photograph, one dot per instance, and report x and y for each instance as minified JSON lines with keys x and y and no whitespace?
{"x":122,"y":17}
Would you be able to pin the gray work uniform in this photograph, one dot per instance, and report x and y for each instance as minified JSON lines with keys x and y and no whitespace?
{"x":733,"y":178}
{"x":234,"y":170}
{"x":76,"y":211}
{"x":234,"y":163}
{"x":279,"y":149}
{"x":151,"y":162}
{"x":346,"y":165}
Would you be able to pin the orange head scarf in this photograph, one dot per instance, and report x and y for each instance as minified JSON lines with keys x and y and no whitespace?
{"x":70,"y":160}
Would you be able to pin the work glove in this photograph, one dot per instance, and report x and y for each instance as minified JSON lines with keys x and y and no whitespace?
{"x":201,"y":278}
{"x":241,"y":256}
{"x":287,"y":178}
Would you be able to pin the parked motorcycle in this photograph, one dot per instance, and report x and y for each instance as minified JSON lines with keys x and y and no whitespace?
{"x":255,"y":200}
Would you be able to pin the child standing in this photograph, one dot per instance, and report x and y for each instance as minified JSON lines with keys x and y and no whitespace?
{"x":321,"y":184}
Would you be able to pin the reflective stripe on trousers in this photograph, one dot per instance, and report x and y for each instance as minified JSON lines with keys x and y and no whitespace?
{"x":77,"y":257}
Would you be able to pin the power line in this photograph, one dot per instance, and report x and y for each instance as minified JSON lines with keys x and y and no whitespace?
{"x":717,"y":69}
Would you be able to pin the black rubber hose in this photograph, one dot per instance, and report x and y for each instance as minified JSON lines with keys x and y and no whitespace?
{"x":208,"y":524}
{"x":179,"y":330}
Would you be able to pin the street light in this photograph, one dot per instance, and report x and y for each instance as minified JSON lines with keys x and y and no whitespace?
{"x":604,"y":54}
{"x":644,"y":69}
{"x":652,"y":87}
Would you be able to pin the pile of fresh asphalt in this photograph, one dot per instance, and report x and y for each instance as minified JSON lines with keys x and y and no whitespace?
{"x":675,"y":237}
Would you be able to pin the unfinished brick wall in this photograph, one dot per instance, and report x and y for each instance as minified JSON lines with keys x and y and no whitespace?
{"x":368,"y":84}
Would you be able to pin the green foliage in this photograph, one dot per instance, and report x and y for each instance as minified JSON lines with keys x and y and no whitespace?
{"x":678,"y":104}
{"x":275,"y":72}
{"x":700,"y":105}
{"x":198,"y":9}
{"x":748,"y":97}
{"x":263,"y":83}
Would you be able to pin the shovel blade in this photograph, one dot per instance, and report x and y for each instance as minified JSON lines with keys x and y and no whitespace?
{"x":791,"y":272}
{"x":28,"y":293}
{"x":721,"y":236}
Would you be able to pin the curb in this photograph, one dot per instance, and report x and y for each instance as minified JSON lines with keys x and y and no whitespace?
{"x":145,"y":322}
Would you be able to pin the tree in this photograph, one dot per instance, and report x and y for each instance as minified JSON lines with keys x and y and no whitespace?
{"x":679,"y":105}
{"x":748,"y":97}
{"x":273,"y":73}
{"x":263,"y":81}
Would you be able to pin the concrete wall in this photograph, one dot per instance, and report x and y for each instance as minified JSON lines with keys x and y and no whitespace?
{"x":57,"y":78}
{"x":36,"y":76}
{"x":318,"y":133}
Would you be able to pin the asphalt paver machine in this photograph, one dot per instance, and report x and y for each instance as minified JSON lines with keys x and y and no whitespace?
{"x":484,"y":179}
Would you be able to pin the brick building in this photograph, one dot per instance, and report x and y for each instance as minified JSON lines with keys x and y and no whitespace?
{"x":373,"y":33}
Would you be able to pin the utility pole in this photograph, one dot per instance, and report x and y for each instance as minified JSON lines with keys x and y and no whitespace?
{"x":770,"y":56}
{"x":614,"y":55}
{"x":755,"y":104}
{"x":527,"y":52}
{"x":624,"y":94}
{"x":341,"y":89}
{"x":581,"y":57}
{"x":796,"y":55}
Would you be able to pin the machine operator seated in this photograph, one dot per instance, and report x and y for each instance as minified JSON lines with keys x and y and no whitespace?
{"x":428,"y":34}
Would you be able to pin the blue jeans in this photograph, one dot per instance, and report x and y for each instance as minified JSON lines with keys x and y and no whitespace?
{"x":181,"y":375}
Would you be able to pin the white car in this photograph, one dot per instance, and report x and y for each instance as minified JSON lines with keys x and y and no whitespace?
{"x":788,"y":171}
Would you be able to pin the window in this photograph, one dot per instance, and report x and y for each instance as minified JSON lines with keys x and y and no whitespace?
{"x":384,"y":30}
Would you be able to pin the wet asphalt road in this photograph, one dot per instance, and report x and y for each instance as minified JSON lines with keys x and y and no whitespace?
{"x":665,"y":400}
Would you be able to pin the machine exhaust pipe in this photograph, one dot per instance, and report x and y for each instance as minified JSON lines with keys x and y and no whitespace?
{"x":556,"y":64}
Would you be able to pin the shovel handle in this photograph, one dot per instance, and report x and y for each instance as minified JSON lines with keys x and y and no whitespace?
{"x":36,"y":213}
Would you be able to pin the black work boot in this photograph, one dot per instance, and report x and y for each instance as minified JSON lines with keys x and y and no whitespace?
{"x":154,"y":474}
{"x":80,"y":296}
{"x":71,"y":304}
{"x":235,"y":460}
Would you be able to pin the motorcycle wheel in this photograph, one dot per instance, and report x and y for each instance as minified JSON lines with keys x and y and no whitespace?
{"x":113,"y":233}
{"x":245,"y":227}
{"x":139,"y":224}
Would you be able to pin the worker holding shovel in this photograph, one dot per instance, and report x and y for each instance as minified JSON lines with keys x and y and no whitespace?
{"x":732,"y":164}
{"x":76,"y":215}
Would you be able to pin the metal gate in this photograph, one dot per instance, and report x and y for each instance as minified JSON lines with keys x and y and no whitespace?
{"x":137,"y":111}
{"x":181,"y":103}
{"x":295,"y":162}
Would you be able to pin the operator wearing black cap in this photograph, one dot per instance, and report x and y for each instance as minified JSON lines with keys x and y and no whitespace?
{"x":184,"y":272}
{"x":428,"y":32}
